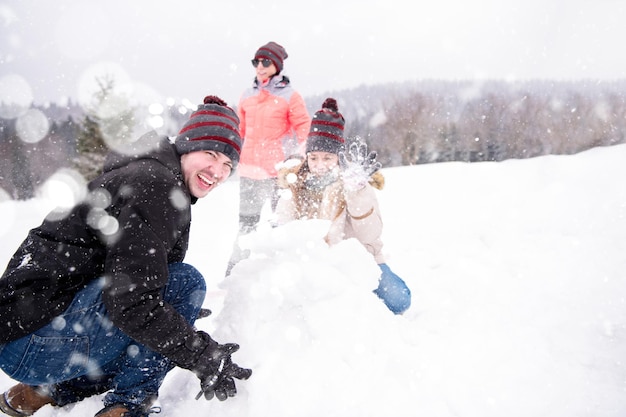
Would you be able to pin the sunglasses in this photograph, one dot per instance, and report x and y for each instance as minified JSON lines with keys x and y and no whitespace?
{"x":266,"y":62}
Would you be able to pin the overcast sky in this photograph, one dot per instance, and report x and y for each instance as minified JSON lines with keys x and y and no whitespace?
{"x":49,"y":50}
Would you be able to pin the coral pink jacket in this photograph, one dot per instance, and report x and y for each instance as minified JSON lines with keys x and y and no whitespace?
{"x":274,"y":123}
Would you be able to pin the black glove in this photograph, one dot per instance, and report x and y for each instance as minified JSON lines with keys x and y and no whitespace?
{"x":216,"y":371}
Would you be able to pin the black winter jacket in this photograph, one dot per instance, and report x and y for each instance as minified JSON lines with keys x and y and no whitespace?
{"x":145,"y":206}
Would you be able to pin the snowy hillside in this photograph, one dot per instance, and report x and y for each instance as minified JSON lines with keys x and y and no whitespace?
{"x":518,"y":275}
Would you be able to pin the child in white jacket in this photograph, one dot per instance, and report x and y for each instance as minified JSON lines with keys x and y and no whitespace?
{"x":333,"y":185}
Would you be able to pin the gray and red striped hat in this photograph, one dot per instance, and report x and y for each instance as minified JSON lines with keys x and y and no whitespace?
{"x":274,"y":52}
{"x":326,"y":134}
{"x":212,"y":127}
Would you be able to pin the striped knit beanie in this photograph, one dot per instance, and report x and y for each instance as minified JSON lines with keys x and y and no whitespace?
{"x":213,"y":127}
{"x":274,"y":52}
{"x":326,"y":134}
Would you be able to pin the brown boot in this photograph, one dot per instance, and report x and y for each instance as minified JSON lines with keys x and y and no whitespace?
{"x":120,"y":410}
{"x":23,"y":400}
{"x":116,"y":410}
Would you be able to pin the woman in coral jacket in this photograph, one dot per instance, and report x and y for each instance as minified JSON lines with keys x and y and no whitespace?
{"x":340,"y":186}
{"x":273,"y":122}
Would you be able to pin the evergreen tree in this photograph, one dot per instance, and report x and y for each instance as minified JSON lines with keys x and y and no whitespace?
{"x":19,"y":174}
{"x":108,"y":125}
{"x":91,"y":149}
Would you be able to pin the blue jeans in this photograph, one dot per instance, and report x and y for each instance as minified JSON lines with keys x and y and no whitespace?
{"x":393,"y":291}
{"x":81,"y":353}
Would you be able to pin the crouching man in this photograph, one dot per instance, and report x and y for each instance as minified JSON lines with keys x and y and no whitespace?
{"x":99,"y":300}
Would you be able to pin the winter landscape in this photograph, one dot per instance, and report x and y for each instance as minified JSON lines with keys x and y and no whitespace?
{"x":517,"y":270}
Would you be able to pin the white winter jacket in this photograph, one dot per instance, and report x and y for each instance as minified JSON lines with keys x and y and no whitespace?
{"x":352,"y":214}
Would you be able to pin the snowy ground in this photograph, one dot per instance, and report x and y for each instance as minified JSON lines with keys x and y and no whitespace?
{"x":518,"y":273}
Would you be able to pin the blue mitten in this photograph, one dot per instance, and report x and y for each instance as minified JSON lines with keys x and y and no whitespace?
{"x":393,"y":291}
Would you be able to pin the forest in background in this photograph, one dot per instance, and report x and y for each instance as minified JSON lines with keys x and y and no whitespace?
{"x":407,"y":123}
{"x":441,"y":121}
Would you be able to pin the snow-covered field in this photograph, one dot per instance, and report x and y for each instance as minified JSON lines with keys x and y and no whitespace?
{"x":518,"y":274}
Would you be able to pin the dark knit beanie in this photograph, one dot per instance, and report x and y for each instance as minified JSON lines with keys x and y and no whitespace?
{"x":213,"y":127}
{"x":274,"y":52}
{"x":326,"y":134}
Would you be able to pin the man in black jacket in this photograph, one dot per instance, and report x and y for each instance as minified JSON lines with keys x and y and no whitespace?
{"x":97,"y":299}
